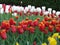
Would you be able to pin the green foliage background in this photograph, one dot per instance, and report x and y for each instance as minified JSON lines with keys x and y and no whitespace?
{"x":55,"y":4}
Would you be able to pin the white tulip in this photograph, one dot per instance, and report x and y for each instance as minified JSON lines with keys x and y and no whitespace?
{"x":58,"y":13}
{"x":22,"y":8}
{"x":43,"y":8}
{"x":49,"y":9}
{"x":2,"y":11}
{"x":31,"y":10}
{"x":7,"y":9}
{"x":14,"y":8}
{"x":38,"y":9}
{"x":33,"y":7}
{"x":29,"y":6}
{"x":0,"y":6}
{"x":54,"y":11}
{"x":26,"y":8}
{"x":18,"y":9}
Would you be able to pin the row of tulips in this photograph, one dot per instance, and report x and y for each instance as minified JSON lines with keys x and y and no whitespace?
{"x":28,"y":30}
{"x":28,"y":10}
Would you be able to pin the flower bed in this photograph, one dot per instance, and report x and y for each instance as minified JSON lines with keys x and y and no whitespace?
{"x":30,"y":27}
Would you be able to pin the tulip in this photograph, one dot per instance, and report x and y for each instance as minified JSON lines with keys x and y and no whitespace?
{"x":34,"y":43}
{"x":45,"y":31}
{"x":29,"y":22}
{"x":41,"y":26}
{"x":44,"y":44}
{"x":55,"y":35}
{"x":47,"y":23}
{"x":38,"y":9}
{"x":29,"y":6}
{"x":17,"y":43}
{"x":53,"y":22}
{"x":58,"y":29}
{"x":5,"y":25}
{"x":12,"y":22}
{"x":35,"y":23}
{"x":53,"y":41}
{"x":13,"y":28}
{"x":3,"y":34}
{"x":1,"y":6}
{"x":2,"y":11}
{"x":50,"y":28}
{"x":7,"y":8}
{"x":58,"y":36}
{"x":31,"y":29}
{"x":20,"y":30}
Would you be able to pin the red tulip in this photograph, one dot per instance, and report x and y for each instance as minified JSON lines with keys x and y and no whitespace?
{"x":58,"y":29}
{"x":50,"y":28}
{"x":20,"y":30}
{"x":46,"y":23}
{"x":45,"y":31}
{"x":41,"y":26}
{"x":3,"y":34}
{"x":12,"y":22}
{"x":31,"y":29}
{"x":35,"y":23}
{"x":24,"y":27}
{"x":13,"y":28}
{"x":53,"y":22}
{"x":29,"y":22}
{"x":5,"y":25}
{"x":34,"y":43}
{"x":41,"y":13}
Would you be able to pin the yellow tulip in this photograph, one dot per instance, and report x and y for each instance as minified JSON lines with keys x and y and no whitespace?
{"x":55,"y":35}
{"x":59,"y":37}
{"x":44,"y":44}
{"x":17,"y":43}
{"x":49,"y":38}
{"x":53,"y":41}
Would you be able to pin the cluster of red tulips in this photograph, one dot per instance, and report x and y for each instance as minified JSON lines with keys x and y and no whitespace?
{"x":48,"y":24}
